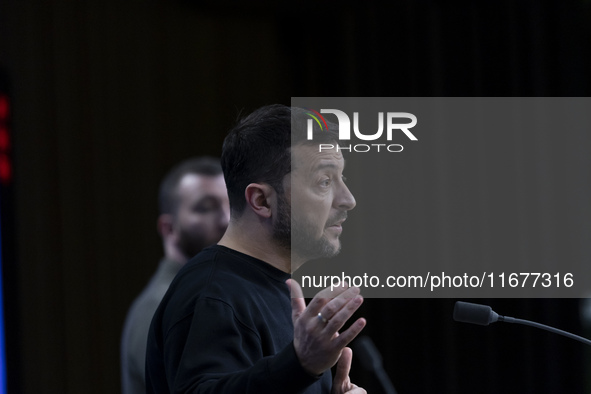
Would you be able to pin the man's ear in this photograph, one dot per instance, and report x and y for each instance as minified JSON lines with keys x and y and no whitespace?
{"x":165,"y":225}
{"x":258,"y":197}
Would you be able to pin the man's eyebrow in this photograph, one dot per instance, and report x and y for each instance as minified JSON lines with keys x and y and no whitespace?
{"x":207,"y":198}
{"x":323,"y":165}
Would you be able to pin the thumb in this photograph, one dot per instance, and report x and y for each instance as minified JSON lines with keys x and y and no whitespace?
{"x":298,"y":304}
{"x":341,"y":378}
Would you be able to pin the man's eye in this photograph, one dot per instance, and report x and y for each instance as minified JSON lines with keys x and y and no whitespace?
{"x":205,"y":208}
{"x":325,"y":183}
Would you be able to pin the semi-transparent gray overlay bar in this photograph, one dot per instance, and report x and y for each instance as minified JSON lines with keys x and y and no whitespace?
{"x":454,"y":197}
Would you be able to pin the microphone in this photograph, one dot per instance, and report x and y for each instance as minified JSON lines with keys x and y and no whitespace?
{"x":483,"y":315}
{"x":466,"y":312}
{"x":371,"y":358}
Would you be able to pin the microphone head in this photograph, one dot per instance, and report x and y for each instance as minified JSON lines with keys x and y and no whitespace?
{"x":467,"y":312}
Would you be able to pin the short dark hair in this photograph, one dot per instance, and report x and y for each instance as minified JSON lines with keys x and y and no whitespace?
{"x":168,"y":199}
{"x":257,"y":149}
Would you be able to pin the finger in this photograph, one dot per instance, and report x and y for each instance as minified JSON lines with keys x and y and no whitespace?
{"x":326,"y":295}
{"x":343,"y":368}
{"x":298,"y":304}
{"x":356,"y":390}
{"x":339,"y":319}
{"x":336,"y":304}
{"x":349,"y":334}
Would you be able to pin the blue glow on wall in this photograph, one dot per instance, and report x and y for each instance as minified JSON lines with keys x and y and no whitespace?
{"x":2,"y":348}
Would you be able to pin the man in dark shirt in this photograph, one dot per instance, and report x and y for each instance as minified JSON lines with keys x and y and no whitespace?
{"x":227,"y":323}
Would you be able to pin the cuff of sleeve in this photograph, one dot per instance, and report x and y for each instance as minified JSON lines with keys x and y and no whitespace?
{"x":285,"y":370}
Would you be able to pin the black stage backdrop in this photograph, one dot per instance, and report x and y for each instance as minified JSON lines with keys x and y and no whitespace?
{"x":109,"y":94}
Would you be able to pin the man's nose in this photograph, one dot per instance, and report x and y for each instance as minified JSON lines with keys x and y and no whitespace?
{"x":344,"y":199}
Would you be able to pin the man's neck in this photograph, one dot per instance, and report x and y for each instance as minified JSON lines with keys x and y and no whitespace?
{"x":255,"y":242}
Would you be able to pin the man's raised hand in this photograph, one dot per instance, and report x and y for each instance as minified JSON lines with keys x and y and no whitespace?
{"x":317,"y":341}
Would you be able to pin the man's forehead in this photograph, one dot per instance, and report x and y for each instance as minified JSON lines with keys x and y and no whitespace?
{"x":308,"y":157}
{"x":194,"y":179}
{"x":196,"y":185}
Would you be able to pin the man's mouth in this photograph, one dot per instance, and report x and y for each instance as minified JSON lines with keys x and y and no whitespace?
{"x":339,"y":222}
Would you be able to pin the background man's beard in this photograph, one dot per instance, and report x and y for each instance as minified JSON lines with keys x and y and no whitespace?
{"x":296,"y":236}
{"x":190,"y":245}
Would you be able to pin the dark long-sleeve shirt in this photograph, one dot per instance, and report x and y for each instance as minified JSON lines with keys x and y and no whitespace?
{"x":224,"y":326}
